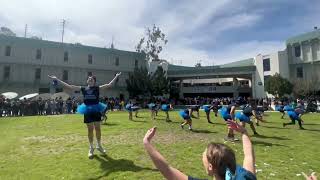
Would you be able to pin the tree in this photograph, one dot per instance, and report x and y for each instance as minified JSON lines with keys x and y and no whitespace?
{"x":139,"y":82}
{"x":304,"y":87}
{"x":6,"y":31}
{"x":152,"y":44}
{"x":198,"y":65}
{"x":278,"y":85}
{"x":160,"y":83}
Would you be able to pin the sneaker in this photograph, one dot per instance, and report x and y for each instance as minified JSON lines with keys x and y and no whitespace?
{"x":181,"y":126}
{"x":100,"y":148}
{"x":190,"y":128}
{"x":210,"y":122}
{"x":255,"y":133}
{"x":301,"y":128}
{"x":90,"y":153}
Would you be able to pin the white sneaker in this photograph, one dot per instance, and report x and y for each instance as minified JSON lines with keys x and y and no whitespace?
{"x":90,"y":153}
{"x":100,"y":148}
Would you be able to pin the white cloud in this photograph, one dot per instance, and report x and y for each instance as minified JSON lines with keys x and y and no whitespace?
{"x":187,"y":23}
{"x":190,"y":56}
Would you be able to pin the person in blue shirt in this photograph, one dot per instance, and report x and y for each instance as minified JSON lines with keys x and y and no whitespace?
{"x":219,"y":160}
{"x":129,"y":108}
{"x":207,"y":109}
{"x":244,"y":117}
{"x":295,"y":116}
{"x":153,"y":108}
{"x":166,"y":108}
{"x":195,"y":108}
{"x":228,"y":113}
{"x":91,"y":108}
{"x":186,"y":116}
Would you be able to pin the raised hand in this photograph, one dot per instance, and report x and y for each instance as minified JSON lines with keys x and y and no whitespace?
{"x":118,"y":74}
{"x":235,"y":126}
{"x":52,"y":76}
{"x":311,"y":177}
{"x":149,"y":135}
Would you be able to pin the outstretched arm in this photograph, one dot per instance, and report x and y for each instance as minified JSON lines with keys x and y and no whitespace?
{"x":106,"y":86}
{"x":249,"y":157}
{"x":65,"y":85}
{"x":158,"y":160}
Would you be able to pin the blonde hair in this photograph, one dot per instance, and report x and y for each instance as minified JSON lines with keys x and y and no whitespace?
{"x":221,"y":157}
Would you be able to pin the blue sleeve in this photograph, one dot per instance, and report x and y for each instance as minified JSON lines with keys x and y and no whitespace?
{"x":242,"y":173}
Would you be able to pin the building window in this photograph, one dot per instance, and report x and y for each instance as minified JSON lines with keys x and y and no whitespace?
{"x":66,"y":56}
{"x":38,"y":74}
{"x":65,"y":76}
{"x":89,"y":74}
{"x":39,"y":54}
{"x":299,"y":72}
{"x":297,"y":51}
{"x":8,"y":51}
{"x":117,"y":61}
{"x":136,"y":63}
{"x":6,"y":72}
{"x":89,"y":58}
{"x":266,"y":64}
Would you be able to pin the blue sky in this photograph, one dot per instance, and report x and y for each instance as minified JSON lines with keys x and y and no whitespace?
{"x":214,"y":32}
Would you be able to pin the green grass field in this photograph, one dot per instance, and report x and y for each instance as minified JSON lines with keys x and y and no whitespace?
{"x":55,"y":147}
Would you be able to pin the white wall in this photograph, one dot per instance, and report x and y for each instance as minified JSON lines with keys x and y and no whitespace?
{"x":258,"y":90}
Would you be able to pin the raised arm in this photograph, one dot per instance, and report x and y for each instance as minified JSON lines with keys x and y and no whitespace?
{"x":106,"y":86}
{"x":158,"y":160}
{"x":65,"y":85}
{"x":232,"y":112}
{"x":249,"y":157}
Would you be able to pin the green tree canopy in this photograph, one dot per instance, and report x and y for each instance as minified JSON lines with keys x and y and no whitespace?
{"x":152,"y":44}
{"x":278,"y":85}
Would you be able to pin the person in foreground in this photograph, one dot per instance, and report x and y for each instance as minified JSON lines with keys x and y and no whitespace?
{"x":91,"y":108}
{"x":218,"y":159}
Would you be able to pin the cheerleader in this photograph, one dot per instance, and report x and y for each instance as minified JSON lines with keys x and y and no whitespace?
{"x":91,"y":108}
{"x":207,"y":109}
{"x":186,"y":115}
{"x":228,"y":113}
{"x":245,"y":117}
{"x":131,"y":107}
{"x":152,"y":106}
{"x":165,"y":108}
{"x":196,"y":109}
{"x":295,"y":116}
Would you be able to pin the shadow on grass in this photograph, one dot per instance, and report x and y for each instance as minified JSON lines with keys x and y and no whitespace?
{"x":267,"y":143}
{"x":270,"y":137}
{"x":202,"y":131}
{"x":110,"y":124}
{"x":273,"y":127}
{"x":135,"y":120}
{"x":109,"y":165}
{"x":315,"y":130}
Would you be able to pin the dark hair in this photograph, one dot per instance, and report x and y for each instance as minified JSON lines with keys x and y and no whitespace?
{"x":93,"y":77}
{"x":221,"y":157}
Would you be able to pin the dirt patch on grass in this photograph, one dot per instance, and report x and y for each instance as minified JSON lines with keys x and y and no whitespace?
{"x":54,"y":139}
